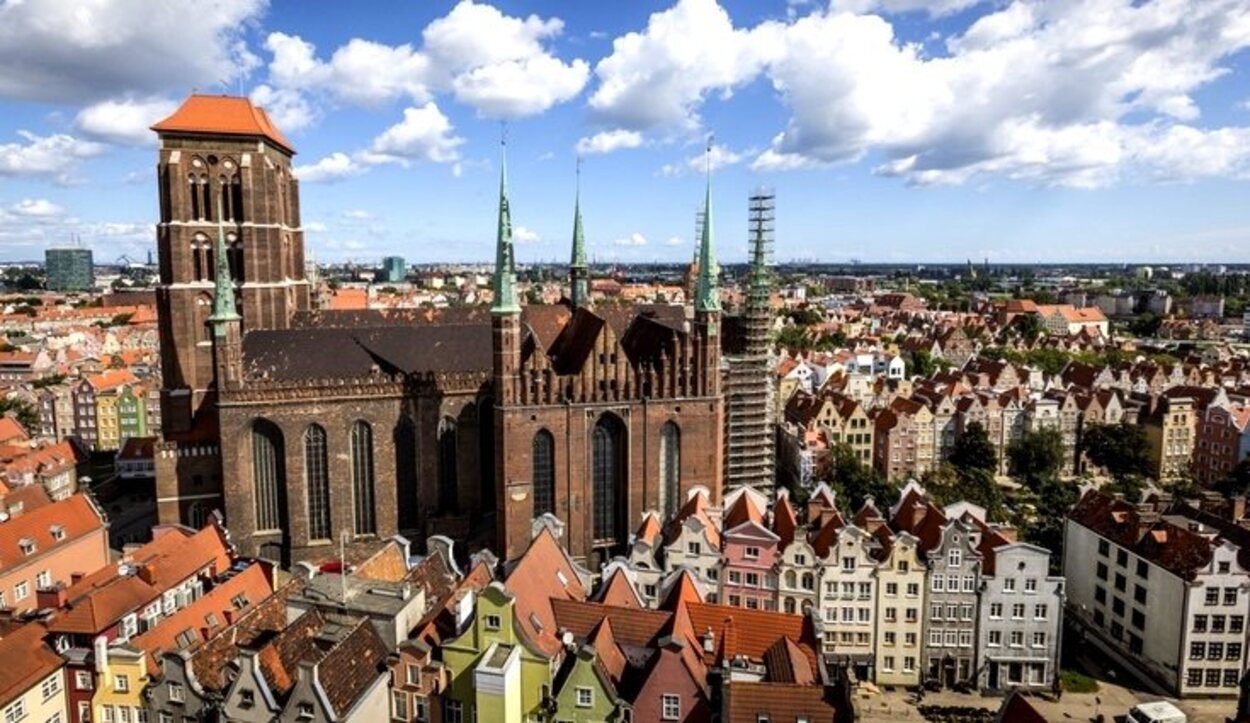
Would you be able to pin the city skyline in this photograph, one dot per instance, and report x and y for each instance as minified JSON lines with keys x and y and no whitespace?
{"x":1014,"y":131}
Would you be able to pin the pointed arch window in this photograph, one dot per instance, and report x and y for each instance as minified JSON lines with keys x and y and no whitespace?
{"x":362,"y":479}
{"x":268,"y":474}
{"x":406,"y":465}
{"x":544,"y":473}
{"x":670,"y":469}
{"x":608,"y":471}
{"x":447,"y":466}
{"x":317,"y":480}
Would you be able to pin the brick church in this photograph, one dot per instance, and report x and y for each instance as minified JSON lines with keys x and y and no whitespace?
{"x":308,"y":427}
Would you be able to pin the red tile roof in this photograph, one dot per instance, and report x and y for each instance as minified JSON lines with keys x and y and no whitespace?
{"x":745,"y":701}
{"x":618,"y":590}
{"x":38,"y":661}
{"x":76,"y":517}
{"x":226,"y":115}
{"x":543,"y":573}
{"x":207,"y":616}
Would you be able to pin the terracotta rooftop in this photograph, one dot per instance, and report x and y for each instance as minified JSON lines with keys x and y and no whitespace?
{"x":746,"y":701}
{"x":226,"y":115}
{"x":72,"y":518}
{"x":25,"y":644}
{"x":542,"y":574}
{"x":618,"y":590}
{"x":199,"y":621}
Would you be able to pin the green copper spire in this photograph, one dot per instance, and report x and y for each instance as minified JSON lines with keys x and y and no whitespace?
{"x":223,"y":292}
{"x":707,"y":294}
{"x":579,"y":281}
{"x":504,"y":284}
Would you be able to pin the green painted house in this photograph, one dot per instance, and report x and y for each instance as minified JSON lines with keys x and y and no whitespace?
{"x":132,"y":412}
{"x":496,"y":673}
{"x":587,"y":684}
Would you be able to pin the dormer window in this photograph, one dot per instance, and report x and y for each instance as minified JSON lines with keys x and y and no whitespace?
{"x":563,"y":580}
{"x":306,"y":711}
{"x":26,"y":545}
{"x":58,"y":532}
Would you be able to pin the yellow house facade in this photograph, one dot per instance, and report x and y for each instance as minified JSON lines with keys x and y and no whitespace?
{"x":121,"y":676}
{"x":900,"y":612}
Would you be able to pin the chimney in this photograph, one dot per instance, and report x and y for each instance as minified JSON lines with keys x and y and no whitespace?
{"x":1239,"y":508}
{"x":709,"y":641}
{"x":74,"y":577}
{"x":51,"y":597}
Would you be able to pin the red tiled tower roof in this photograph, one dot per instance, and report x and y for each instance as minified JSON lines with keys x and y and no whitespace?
{"x":224,"y":115}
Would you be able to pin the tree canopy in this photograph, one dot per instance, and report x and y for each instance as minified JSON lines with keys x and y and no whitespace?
{"x":974,"y":451}
{"x":853,"y":481}
{"x":1036,"y":455}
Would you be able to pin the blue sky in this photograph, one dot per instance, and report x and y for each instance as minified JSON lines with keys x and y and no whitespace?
{"x":892,"y":130}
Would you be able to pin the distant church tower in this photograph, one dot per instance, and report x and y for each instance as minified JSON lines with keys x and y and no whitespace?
{"x":579,"y":272}
{"x":229,"y":207}
{"x":749,"y":415}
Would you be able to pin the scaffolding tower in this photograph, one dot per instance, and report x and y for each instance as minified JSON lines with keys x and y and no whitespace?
{"x":750,"y":445}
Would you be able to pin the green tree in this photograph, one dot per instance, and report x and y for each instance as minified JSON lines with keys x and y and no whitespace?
{"x":1036,"y":455}
{"x":973,"y":450}
{"x":948,"y":484}
{"x":1030,"y":326}
{"x":23,"y":410}
{"x":1050,"y":500}
{"x":1145,"y":325}
{"x":1238,"y":481}
{"x":921,"y":363}
{"x":853,"y":481}
{"x":1121,"y":449}
{"x":794,"y":337}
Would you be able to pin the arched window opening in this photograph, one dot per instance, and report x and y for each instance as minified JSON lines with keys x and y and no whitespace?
{"x":317,"y":479}
{"x":406,"y":466}
{"x":362,"y":479}
{"x":608,"y":472}
{"x":670,"y":469}
{"x":236,"y":199}
{"x":268,"y":475}
{"x":197,"y":515}
{"x":448,"y":501}
{"x":206,"y":198}
{"x":544,"y":473}
{"x":194,"y":191}
{"x":486,"y":453}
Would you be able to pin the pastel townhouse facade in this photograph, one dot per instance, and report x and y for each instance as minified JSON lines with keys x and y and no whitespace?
{"x":798,"y":568}
{"x":900,"y":606}
{"x":693,"y":542}
{"x":1021,"y":616}
{"x":847,"y":601}
{"x":952,"y":561}
{"x":749,"y":554}
{"x":1164,"y":592}
{"x":1170,"y":433}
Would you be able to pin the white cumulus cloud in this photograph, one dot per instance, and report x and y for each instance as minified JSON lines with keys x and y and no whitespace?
{"x":525,"y":235}
{"x":36,"y":208}
{"x":609,"y":141}
{"x":719,"y":157}
{"x":634,"y":239}
{"x":55,"y":156}
{"x":126,"y":121}
{"x":60,"y":51}
{"x":334,"y":167}
{"x":425,"y":134}
{"x":496,"y":63}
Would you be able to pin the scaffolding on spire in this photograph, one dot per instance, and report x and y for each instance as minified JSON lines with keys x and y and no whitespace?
{"x":750,"y":413}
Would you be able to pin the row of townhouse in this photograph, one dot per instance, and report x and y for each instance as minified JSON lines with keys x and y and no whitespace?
{"x":915,"y":594}
{"x":46,"y":543}
{"x":182,"y":629}
{"x":1163,"y":589}
{"x":26,"y":462}
{"x":539,"y":644}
